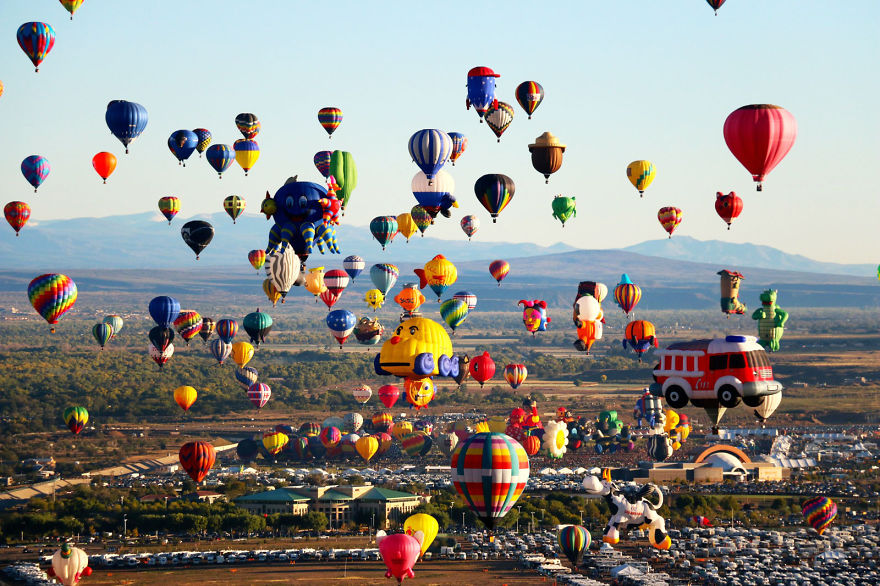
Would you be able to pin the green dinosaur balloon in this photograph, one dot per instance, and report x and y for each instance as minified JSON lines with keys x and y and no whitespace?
{"x":771,"y":321}
{"x":343,"y":169}
{"x":563,"y":208}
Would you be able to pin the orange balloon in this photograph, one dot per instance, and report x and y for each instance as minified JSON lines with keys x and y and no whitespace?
{"x":104,"y":163}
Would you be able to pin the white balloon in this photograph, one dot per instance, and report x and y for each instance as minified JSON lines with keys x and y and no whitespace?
{"x":587,"y":308}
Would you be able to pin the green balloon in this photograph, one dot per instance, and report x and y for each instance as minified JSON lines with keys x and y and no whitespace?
{"x":563,"y":208}
{"x":343,"y":169}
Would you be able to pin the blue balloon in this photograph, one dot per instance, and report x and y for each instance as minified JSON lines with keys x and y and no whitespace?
{"x":341,"y":321}
{"x":299,"y":218}
{"x":182,"y":144}
{"x":164,"y":310}
{"x":430,"y":149}
{"x":353,"y":265}
{"x":220,"y":157}
{"x":126,"y":120}
{"x":316,"y":448}
{"x":481,"y":89}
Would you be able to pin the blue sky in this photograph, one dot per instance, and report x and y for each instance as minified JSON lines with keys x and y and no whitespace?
{"x":624,"y":80}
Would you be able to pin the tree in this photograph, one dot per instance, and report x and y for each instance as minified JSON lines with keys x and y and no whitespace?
{"x":316,"y":521}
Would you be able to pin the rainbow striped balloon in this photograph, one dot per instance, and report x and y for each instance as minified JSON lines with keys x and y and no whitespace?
{"x":490,"y":471}
{"x":574,"y":540}
{"x":819,"y":513}
{"x":529,"y":94}
{"x":454,"y":312}
{"x":627,"y":294}
{"x":52,"y":295}
{"x":188,"y":324}
{"x":330,"y":119}
{"x":322,"y":162}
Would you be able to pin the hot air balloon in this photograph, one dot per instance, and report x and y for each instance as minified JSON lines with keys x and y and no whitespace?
{"x":322,"y":162}
{"x":482,"y":368}
{"x":246,"y":376}
{"x":389,"y":394}
{"x":102,"y":333}
{"x":421,"y":218}
{"x":257,"y":258}
{"x":226,"y":330}
{"x":470,"y":225}
{"x":257,"y":325}
{"x":352,"y":422}
{"x":188,"y":324}
{"x":416,"y":444}
{"x":341,"y":323}
{"x":438,"y":273}
{"x":426,"y":525}
{"x":272,"y":294}
{"x":353,"y":265}
{"x":161,"y":337}
{"x":406,"y":226}
{"x":410,"y":299}
{"x":234,"y":206}
{"x":247,"y":449}
{"x":400,"y":553}
{"x":481,"y":89}
{"x":670,"y":218}
{"x":498,"y":118}
{"x":529,"y":94}
{"x":169,"y":206}
{"x":563,"y":208}
{"x":362,"y":393}
{"x":259,"y":394}
{"x":759,"y":136}
{"x":220,"y":350}
{"x":282,"y":267}
{"x":104,"y":164}
{"x":430,"y":149}
{"x":468,"y":298}
{"x":701,"y":521}
{"x":436,"y":195}
{"x":494,"y":191}
{"x":52,"y":295}
{"x":330,"y":437}
{"x":728,"y":207}
{"x":246,"y":153}
{"x":198,"y":235}
{"x":160,"y":357}
{"x":384,"y":276}
{"x":197,"y":458}
{"x":242,"y":352}
{"x":220,"y":157}
{"x":627,"y":294}
{"x":640,"y":337}
{"x":382,"y":421}
{"x":17,"y":214}
{"x":499,"y":269}
{"x":819,"y":513}
{"x":367,"y":447}
{"x":70,"y":564}
{"x":588,"y":332}
{"x":343,"y":169}
{"x":384,"y":229}
{"x":314,"y":282}
{"x":641,"y":174}
{"x":204,"y":138}
{"x":185,"y":396}
{"x":336,"y":281}
{"x":730,"y":283}
{"x":454,"y":312}
{"x":164,"y":310}
{"x":115,"y":322}
{"x":374,"y":298}
{"x":36,"y":39}
{"x":274,"y":442}
{"x":515,"y":375}
{"x":330,"y":119}
{"x":75,"y":418}
{"x":35,"y":169}
{"x":459,"y":145}
{"x":208,"y":326}
{"x":248,"y":124}
{"x":574,"y":540}
{"x":715,"y":4}
{"x":182,"y":144}
{"x":71,"y":6}
{"x":490,"y":471}
{"x":126,"y":120}
{"x":419,"y":391}
{"x":547,"y":155}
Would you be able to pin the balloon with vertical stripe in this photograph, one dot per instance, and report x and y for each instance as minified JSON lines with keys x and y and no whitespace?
{"x":430,"y":149}
{"x":574,"y":540}
{"x":36,"y":39}
{"x":52,"y":295}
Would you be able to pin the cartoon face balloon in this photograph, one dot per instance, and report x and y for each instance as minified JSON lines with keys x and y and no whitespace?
{"x":419,"y":348}
{"x":298,"y":211}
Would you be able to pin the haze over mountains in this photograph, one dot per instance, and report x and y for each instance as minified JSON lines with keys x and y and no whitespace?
{"x":111,"y":254}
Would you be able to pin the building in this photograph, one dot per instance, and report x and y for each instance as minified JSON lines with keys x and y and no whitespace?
{"x":715,"y":464}
{"x":341,"y":504}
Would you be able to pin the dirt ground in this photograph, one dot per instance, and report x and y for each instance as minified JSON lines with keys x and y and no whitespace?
{"x":436,"y":572}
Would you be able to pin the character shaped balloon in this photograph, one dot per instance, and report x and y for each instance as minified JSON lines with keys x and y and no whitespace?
{"x":369,"y":331}
{"x":481,"y":89}
{"x":730,"y":303}
{"x":547,"y":155}
{"x":400,"y":553}
{"x":70,"y":564}
{"x":771,"y":321}
{"x":435,"y":195}
{"x":728,"y":207}
{"x":299,"y":219}
{"x":640,"y":337}
{"x":438,"y":273}
{"x":534,"y":315}
{"x":632,"y":505}
{"x":563,"y":208}
{"x":482,"y":368}
{"x":410,"y":299}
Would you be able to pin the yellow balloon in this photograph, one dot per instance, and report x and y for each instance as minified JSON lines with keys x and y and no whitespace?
{"x":185,"y":397}
{"x":246,"y":158}
{"x":367,"y":447}
{"x":374,"y":298}
{"x":675,"y":445}
{"x":274,"y":442}
{"x":406,"y":225}
{"x":685,"y":431}
{"x":439,"y":273}
{"x":315,"y":281}
{"x":242,"y":352}
{"x":641,"y":174}
{"x":497,"y":424}
{"x":400,"y":429}
{"x":672,"y":420}
{"x":271,"y":292}
{"x":426,"y":524}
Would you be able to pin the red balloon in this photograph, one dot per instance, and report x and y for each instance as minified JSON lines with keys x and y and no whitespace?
{"x":399,"y":552}
{"x":104,"y":163}
{"x":482,"y":368}
{"x":531,"y":444}
{"x":17,"y":214}
{"x":197,"y":458}
{"x":759,"y":136}
{"x":389,"y":394}
{"x":499,"y":269}
{"x":729,"y":206}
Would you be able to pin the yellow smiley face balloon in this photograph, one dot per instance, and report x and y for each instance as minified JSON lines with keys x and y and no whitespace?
{"x":419,"y":348}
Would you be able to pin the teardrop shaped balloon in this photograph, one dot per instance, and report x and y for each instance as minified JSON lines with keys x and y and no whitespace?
{"x":494,"y":191}
{"x":104,"y":164}
{"x":169,"y":206}
{"x":421,"y":218}
{"x":259,"y":394}
{"x":182,"y":144}
{"x":470,"y":225}
{"x":384,"y":229}
{"x":670,"y":218}
{"x":198,"y":235}
{"x":197,"y":458}
{"x":52,"y":295}
{"x":498,"y":118}
{"x":759,"y":136}
{"x":248,"y":124}
{"x":641,"y":174}
{"x":102,"y":333}
{"x":35,"y":169}
{"x":234,"y":206}
{"x":220,"y":157}
{"x":257,"y":258}
{"x":529,"y":95}
{"x":185,"y":396}
{"x":36,"y":39}
{"x":71,"y":6}
{"x":459,"y":145}
{"x":499,"y":269}
{"x":322,"y":162}
{"x":17,"y":213}
{"x":204,"y":138}
{"x":246,"y":153}
{"x":126,"y":120}
{"x":330,"y":118}
{"x":75,"y":418}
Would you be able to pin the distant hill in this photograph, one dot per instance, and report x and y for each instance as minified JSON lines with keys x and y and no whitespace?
{"x":743,"y":255}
